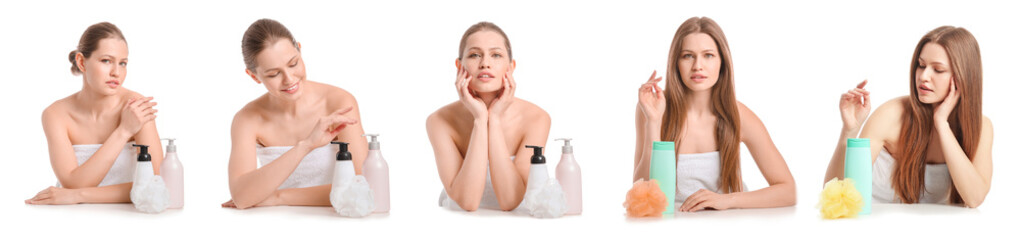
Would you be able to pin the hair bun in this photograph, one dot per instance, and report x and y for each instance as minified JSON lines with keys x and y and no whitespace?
{"x":74,"y":64}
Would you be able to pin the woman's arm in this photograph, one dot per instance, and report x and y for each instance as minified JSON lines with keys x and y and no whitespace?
{"x":352,"y":134}
{"x":118,"y":193}
{"x":464,"y":178}
{"x":511,"y":178}
{"x":149,"y":136}
{"x":781,"y":189}
{"x":648,"y":122}
{"x":250,"y":185}
{"x":308,"y":196}
{"x":971,"y":177}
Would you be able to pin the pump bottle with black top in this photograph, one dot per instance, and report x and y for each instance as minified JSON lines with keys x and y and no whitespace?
{"x":537,"y":173}
{"x":344,"y":168}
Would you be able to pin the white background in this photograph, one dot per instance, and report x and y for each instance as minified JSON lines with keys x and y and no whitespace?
{"x":581,"y":61}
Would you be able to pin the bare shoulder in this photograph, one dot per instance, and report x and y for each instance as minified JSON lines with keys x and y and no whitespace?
{"x":58,"y":110}
{"x":129,"y":94}
{"x":987,"y":125}
{"x":444,"y":116}
{"x":250,"y":114}
{"x":890,"y":115}
{"x":336,"y":95}
{"x":746,"y":114}
{"x":533,"y":111}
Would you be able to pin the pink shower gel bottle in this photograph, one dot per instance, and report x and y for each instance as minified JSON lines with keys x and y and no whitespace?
{"x":569,"y":175}
{"x":173,"y":174}
{"x":377,"y":173}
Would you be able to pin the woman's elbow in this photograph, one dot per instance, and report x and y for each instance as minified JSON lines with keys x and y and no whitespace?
{"x":975,"y":202}
{"x":468,"y":205}
{"x":508,"y":207}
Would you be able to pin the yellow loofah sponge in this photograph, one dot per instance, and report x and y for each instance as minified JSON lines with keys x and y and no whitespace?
{"x":839,"y":199}
{"x":645,"y":199}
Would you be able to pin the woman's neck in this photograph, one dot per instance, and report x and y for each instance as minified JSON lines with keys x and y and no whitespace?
{"x":95,"y":102}
{"x":292,"y":106}
{"x":488,"y":97}
{"x":699,"y":103}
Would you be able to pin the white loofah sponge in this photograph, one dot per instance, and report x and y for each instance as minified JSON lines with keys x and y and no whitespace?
{"x":354,"y":199}
{"x":545,"y":202}
{"x":150,"y":195}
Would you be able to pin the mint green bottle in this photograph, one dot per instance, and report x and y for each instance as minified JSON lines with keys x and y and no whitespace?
{"x":663,"y":168}
{"x":858,"y":166}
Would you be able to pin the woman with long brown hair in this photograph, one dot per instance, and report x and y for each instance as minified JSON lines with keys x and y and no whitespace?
{"x":699,"y":112}
{"x":933,"y":146}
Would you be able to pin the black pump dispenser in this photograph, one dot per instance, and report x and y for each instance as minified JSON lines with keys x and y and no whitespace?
{"x":342,"y":154}
{"x":143,"y":153}
{"x":537,"y":157}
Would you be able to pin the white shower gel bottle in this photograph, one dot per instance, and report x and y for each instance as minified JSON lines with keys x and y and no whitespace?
{"x":343,"y":169}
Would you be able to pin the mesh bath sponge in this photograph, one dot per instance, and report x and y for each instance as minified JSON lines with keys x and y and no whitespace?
{"x":839,"y":199}
{"x":548,"y":201}
{"x":645,"y":199}
{"x":354,"y":199}
{"x":150,"y":195}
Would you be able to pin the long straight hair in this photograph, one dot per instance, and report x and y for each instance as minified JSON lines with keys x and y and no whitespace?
{"x":724,"y":102}
{"x":965,"y":120}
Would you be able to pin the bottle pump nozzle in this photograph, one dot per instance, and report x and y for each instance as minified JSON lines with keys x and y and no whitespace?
{"x":537,"y":157}
{"x":373,"y":144}
{"x":342,"y":154}
{"x":567,"y":145}
{"x":170,"y":144}
{"x":143,"y":153}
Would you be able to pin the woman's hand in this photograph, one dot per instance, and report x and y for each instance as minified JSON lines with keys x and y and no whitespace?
{"x":270,"y":201}
{"x":327,"y":128}
{"x":855,"y":105}
{"x":55,"y":196}
{"x":136,"y":113}
{"x":705,"y":199}
{"x":943,"y":110}
{"x":651,"y":99}
{"x":499,"y":106}
{"x":472,"y":102}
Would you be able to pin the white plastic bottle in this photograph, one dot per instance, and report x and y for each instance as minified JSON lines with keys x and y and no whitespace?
{"x":143,"y":168}
{"x":148,"y":192}
{"x":173,"y":174}
{"x":343,"y":169}
{"x":537,"y":173}
{"x":569,"y":175}
{"x":377,"y":173}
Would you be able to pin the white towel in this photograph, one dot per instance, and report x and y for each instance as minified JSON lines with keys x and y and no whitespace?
{"x":697,"y":171}
{"x":315,"y":169}
{"x":122,"y":170}
{"x":937,"y":181}
{"x":488,"y":196}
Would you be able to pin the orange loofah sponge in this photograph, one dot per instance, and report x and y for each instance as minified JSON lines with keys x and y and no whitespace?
{"x":645,"y":200}
{"x":839,"y":199}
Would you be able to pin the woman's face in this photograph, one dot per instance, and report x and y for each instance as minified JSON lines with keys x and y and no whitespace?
{"x":105,"y":70}
{"x":699,"y":63}
{"x":485,"y":59}
{"x":933,"y":76}
{"x":280,"y":68}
